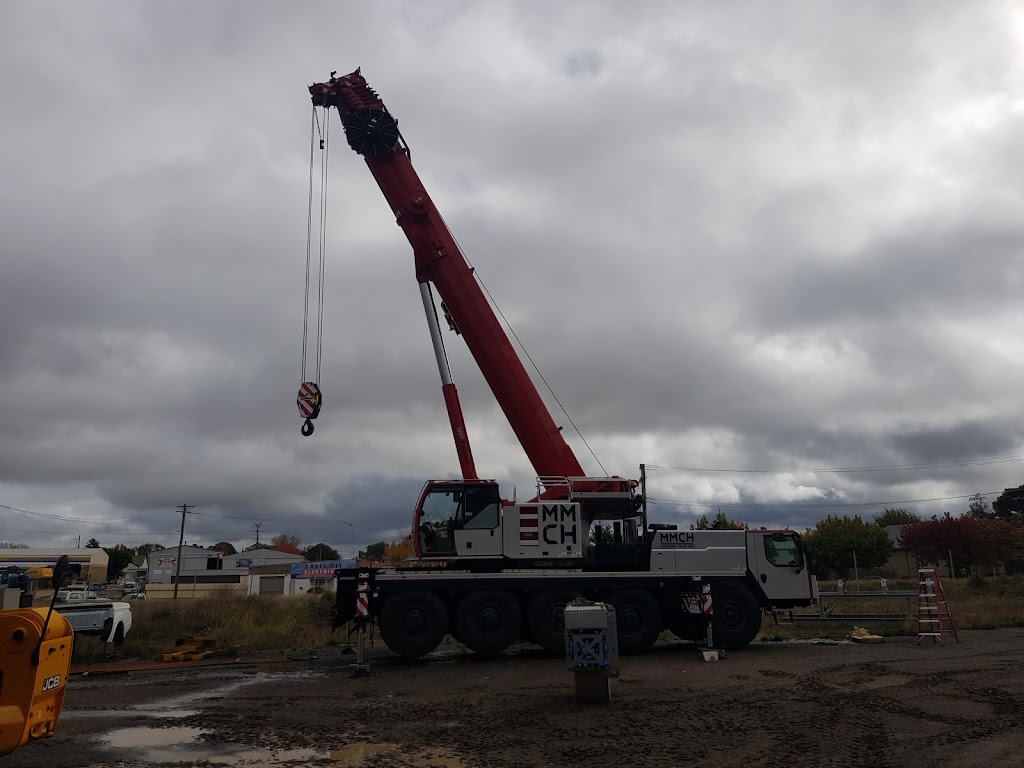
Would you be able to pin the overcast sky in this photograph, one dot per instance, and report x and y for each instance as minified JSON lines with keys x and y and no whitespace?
{"x":732,"y":236}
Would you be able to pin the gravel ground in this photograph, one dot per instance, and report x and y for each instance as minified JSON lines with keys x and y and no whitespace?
{"x":774,"y":704}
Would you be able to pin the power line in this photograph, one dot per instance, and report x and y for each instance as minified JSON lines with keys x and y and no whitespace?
{"x":838,"y":470}
{"x":788,"y":505}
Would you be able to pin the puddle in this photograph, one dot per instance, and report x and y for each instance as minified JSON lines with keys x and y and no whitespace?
{"x":171,"y":714}
{"x":156,"y":745}
{"x":182,"y":745}
{"x":153,"y":737}
{"x":176,"y":707}
{"x":168,"y":714}
{"x":356,"y":755}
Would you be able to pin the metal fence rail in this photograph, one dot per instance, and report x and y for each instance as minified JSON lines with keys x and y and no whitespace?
{"x":828,"y":602}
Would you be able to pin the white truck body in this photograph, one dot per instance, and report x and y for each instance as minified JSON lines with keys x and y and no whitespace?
{"x":108,"y":620}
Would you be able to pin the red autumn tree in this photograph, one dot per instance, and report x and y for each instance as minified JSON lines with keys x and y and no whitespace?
{"x":967,"y":539}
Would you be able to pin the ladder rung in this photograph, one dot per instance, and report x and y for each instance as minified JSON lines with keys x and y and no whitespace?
{"x":928,"y":621}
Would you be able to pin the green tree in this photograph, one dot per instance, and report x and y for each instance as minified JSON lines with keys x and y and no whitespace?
{"x":226,"y":548}
{"x":92,"y":544}
{"x":1010,"y":504}
{"x":895,"y":516}
{"x":251,"y":547}
{"x":834,"y":540}
{"x":375,"y":552}
{"x":320,"y":552}
{"x":718,"y":523}
{"x":979,"y":507}
{"x":119,"y":557}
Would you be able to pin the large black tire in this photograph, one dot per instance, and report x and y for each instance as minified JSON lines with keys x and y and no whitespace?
{"x":488,"y":622}
{"x":735,"y":618}
{"x":638,"y":619}
{"x":545,"y":618}
{"x":413,"y":624}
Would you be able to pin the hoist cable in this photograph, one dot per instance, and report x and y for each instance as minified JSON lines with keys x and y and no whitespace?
{"x":323,"y":240}
{"x":309,"y":244}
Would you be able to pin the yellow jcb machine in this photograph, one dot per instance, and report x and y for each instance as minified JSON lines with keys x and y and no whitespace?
{"x":35,"y":644}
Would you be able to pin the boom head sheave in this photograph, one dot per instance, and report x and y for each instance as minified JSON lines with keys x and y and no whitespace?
{"x":369,"y":128}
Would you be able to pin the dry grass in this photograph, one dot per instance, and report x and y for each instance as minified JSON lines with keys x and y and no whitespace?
{"x":247,"y":624}
{"x":257,"y":625}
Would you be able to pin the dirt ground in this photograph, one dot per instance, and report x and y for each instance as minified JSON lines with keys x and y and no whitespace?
{"x":773,"y":704}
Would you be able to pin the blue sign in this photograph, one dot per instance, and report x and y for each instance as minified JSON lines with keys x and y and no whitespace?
{"x":244,"y":562}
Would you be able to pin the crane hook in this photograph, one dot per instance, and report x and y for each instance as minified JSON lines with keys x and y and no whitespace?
{"x":309,"y":401}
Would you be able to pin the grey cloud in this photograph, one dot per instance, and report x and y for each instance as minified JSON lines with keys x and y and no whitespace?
{"x":741,"y":237}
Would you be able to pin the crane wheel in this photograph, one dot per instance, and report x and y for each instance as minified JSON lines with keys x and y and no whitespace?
{"x":413,"y":624}
{"x":736,"y":619}
{"x":488,"y":622}
{"x":545,"y":617}
{"x":638,"y":619}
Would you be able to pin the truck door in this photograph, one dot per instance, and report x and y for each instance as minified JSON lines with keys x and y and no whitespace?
{"x":780,"y":567}
{"x":477,"y":530}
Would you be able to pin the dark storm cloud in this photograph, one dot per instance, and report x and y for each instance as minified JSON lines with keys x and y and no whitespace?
{"x":729,"y":237}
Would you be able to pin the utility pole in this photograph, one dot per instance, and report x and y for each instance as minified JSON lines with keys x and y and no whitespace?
{"x":181,"y":540}
{"x":257,"y":526}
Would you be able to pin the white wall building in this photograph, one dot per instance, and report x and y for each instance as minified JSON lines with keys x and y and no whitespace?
{"x":200,"y":565}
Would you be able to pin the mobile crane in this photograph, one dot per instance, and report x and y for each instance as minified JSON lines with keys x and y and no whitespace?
{"x":489,"y":570}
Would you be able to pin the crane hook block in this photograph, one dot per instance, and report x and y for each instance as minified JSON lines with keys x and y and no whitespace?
{"x":309,"y":401}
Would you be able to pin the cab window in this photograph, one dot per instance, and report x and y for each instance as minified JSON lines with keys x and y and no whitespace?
{"x":783,"y":550}
{"x":481,"y":507}
{"x":441,"y":505}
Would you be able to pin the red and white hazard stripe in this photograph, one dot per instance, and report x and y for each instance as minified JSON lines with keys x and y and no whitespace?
{"x":363,"y":599}
{"x":307,"y":399}
{"x":529,"y":527}
{"x":705,"y":603}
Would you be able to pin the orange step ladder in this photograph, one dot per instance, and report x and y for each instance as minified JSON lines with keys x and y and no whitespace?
{"x":931,"y":606}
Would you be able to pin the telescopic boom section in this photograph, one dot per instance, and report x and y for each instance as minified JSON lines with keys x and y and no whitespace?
{"x":373,"y":133}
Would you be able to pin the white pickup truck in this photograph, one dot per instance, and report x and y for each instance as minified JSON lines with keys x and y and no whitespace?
{"x":107,"y":619}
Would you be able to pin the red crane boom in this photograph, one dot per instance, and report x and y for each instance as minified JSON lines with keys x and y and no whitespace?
{"x":373,"y":133}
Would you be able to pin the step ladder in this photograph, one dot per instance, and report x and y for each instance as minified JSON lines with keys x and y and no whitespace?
{"x":932,"y":607}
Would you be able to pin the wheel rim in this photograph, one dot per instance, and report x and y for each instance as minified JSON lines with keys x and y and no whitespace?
{"x":490,"y":619}
{"x":556,"y":618}
{"x":631,"y":620}
{"x":730,"y":615}
{"x":414,"y":621}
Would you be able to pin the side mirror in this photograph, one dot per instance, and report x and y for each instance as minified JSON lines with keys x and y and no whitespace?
{"x":60,"y":572}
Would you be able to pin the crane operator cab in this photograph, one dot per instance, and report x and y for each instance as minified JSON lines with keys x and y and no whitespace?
{"x":458,"y":518}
